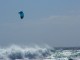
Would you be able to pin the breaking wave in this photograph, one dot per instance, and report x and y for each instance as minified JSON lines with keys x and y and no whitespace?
{"x":16,"y":52}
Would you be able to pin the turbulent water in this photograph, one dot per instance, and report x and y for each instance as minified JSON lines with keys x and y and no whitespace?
{"x":37,"y":53}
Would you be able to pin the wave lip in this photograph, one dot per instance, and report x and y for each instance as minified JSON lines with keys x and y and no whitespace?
{"x":16,"y":52}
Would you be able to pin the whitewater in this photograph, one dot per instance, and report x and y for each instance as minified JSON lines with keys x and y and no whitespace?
{"x":38,"y":53}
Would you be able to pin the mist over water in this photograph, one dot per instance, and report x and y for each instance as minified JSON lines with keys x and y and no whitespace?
{"x":15,"y":52}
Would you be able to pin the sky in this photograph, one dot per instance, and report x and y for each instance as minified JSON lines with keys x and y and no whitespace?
{"x":46,"y":22}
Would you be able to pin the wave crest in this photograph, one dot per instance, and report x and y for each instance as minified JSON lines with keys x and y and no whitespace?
{"x":17,"y":52}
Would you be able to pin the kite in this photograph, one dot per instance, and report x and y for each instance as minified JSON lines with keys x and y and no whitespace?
{"x":21,"y":14}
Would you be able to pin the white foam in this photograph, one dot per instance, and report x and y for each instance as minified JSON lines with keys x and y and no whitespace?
{"x":37,"y":53}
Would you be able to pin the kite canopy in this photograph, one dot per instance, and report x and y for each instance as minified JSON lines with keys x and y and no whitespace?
{"x":21,"y":14}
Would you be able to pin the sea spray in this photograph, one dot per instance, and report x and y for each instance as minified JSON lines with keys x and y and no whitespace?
{"x":27,"y":53}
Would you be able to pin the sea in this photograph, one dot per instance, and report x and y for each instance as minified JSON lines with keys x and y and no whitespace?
{"x":39,"y":53}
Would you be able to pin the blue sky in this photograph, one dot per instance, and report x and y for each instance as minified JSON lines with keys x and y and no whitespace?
{"x":51,"y":22}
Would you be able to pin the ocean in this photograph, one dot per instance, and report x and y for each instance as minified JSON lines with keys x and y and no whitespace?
{"x":38,"y":53}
